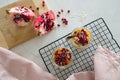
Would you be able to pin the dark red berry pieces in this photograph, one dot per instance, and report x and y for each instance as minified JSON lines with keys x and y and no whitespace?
{"x":62,"y":57}
{"x":43,"y":3}
{"x":18,"y":17}
{"x":64,"y":20}
{"x":58,"y":14}
{"x":83,"y":37}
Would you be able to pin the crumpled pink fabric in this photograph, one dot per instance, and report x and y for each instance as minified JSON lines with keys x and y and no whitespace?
{"x":87,"y":75}
{"x":106,"y":65}
{"x":18,"y":68}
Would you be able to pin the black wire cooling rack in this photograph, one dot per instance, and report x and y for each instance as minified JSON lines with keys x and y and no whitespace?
{"x":82,"y":59}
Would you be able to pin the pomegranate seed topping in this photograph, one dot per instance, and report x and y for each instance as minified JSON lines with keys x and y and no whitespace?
{"x":83,"y":37}
{"x":37,"y":8}
{"x":68,"y":11}
{"x":30,"y":7}
{"x":63,"y":57}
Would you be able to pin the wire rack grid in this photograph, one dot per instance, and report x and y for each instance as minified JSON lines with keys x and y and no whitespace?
{"x":82,"y":59}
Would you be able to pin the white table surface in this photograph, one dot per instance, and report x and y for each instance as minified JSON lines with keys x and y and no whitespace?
{"x":82,"y":12}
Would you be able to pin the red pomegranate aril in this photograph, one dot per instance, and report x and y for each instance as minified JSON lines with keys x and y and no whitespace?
{"x":57,"y":62}
{"x":58,"y":15}
{"x":33,"y":10}
{"x":30,"y":7}
{"x":57,"y":56}
{"x":22,"y":7}
{"x":63,"y":19}
{"x":66,"y":22}
{"x":43,"y":3}
{"x":83,"y":37}
{"x":58,"y":25}
{"x":64,"y":50}
{"x":61,"y":10}
{"x":37,"y":8}
{"x":68,"y":11}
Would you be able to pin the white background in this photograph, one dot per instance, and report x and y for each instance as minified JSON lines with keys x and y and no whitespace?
{"x":82,"y":12}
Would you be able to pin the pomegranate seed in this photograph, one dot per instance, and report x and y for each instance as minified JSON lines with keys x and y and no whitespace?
{"x":58,"y":25}
{"x":43,"y":3}
{"x":30,"y":7}
{"x":22,"y":7}
{"x":61,"y":10}
{"x":58,"y":12}
{"x":68,"y":11}
{"x":58,"y":15}
{"x":37,"y":8}
{"x":64,"y":21}
{"x":63,"y":49}
{"x":33,"y":10}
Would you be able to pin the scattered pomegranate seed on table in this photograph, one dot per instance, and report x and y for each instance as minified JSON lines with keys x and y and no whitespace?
{"x":61,"y":10}
{"x":63,"y":20}
{"x":68,"y":11}
{"x":58,"y":15}
{"x":58,"y":25}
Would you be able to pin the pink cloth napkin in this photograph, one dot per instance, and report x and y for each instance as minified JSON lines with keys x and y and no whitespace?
{"x":18,"y":68}
{"x":106,"y":65}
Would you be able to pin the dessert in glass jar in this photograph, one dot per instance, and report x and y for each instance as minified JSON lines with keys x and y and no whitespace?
{"x":62,"y":57}
{"x":80,"y":38}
